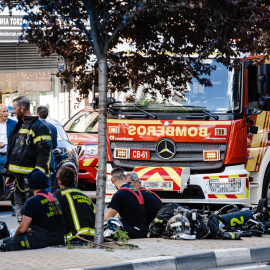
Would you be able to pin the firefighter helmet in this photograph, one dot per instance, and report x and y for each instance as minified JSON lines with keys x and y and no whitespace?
{"x":178,"y":227}
{"x":111,"y":225}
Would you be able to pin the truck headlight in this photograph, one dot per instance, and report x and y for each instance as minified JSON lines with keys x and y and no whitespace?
{"x":122,"y":153}
{"x":211,"y":155}
{"x":91,"y":150}
{"x":221,"y":131}
{"x":113,"y":130}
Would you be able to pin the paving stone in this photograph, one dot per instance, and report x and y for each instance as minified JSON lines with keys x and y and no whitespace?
{"x":157,"y":248}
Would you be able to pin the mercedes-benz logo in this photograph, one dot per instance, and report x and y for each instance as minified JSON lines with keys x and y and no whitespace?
{"x":166,"y":148}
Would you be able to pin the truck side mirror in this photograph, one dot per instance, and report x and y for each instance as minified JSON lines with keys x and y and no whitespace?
{"x":248,"y":112}
{"x":252,"y":129}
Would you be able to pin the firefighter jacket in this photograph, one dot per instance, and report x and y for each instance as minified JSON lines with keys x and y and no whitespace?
{"x":79,"y":212}
{"x":29,"y":147}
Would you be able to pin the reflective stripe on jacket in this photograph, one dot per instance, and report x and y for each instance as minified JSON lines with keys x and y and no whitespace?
{"x":79,"y":212}
{"x":29,"y":147}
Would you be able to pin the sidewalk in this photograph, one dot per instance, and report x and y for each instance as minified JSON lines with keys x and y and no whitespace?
{"x":153,"y":253}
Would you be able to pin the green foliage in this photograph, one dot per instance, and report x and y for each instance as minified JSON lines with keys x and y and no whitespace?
{"x":69,"y":245}
{"x":161,"y":34}
{"x":109,"y":250}
{"x":121,"y":236}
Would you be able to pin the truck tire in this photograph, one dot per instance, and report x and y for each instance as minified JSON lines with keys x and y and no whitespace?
{"x":266,"y":184}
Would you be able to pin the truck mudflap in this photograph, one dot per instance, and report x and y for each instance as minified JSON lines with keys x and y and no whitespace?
{"x":163,"y":178}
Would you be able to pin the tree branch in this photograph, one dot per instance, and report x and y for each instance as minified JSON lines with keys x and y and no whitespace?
{"x":81,"y":25}
{"x":115,"y":32}
{"x":90,"y":7}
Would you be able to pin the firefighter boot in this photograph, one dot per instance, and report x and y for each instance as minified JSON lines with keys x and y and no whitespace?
{"x":228,"y":235}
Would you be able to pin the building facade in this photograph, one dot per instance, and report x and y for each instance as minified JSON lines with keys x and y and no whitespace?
{"x":24,"y":72}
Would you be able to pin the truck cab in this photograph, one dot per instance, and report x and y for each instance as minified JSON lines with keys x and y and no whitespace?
{"x":208,"y":144}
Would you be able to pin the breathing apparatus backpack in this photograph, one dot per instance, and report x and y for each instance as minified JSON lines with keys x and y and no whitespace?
{"x":196,"y":219}
{"x":158,"y":225}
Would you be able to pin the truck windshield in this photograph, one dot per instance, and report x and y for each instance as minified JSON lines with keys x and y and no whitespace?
{"x":222,"y":97}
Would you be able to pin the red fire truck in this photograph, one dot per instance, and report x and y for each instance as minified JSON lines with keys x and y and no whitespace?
{"x":208,"y":145}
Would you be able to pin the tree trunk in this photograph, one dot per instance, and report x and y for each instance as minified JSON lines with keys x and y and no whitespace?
{"x":102,"y":151}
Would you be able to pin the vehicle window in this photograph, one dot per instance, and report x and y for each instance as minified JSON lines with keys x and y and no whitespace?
{"x":83,"y":122}
{"x":93,"y":126}
{"x":61,"y":134}
{"x":253,"y":95}
{"x":221,"y":97}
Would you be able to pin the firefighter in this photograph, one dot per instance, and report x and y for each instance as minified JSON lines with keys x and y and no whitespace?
{"x":79,"y":211}
{"x":129,"y":203}
{"x":42,"y":223}
{"x":42,"y":112}
{"x":152,"y":201}
{"x":29,"y":147}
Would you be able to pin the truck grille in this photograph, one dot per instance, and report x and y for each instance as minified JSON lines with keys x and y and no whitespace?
{"x":187,"y":155}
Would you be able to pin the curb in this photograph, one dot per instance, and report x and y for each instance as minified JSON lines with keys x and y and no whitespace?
{"x":206,"y":260}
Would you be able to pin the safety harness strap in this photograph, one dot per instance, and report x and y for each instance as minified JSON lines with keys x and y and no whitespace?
{"x":48,"y":196}
{"x":138,"y":196}
{"x":144,"y":189}
{"x":140,"y":199}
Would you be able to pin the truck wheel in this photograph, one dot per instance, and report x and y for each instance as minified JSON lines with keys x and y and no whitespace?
{"x":266,"y":184}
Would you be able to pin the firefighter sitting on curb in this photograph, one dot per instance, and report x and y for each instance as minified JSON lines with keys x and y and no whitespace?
{"x":152,"y":201}
{"x":78,"y":210}
{"x":129,"y":203}
{"x":42,"y":223}
{"x":29,"y":147}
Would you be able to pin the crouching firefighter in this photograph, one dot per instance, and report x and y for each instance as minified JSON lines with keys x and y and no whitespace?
{"x":129,"y":203}
{"x":42,"y":223}
{"x":78,"y":210}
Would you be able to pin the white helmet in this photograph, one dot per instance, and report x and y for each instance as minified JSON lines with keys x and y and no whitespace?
{"x":178,"y":227}
{"x":111,"y":225}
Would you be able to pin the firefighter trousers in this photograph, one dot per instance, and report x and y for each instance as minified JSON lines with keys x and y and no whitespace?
{"x":135,"y":232}
{"x":37,"y":238}
{"x":21,"y":194}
